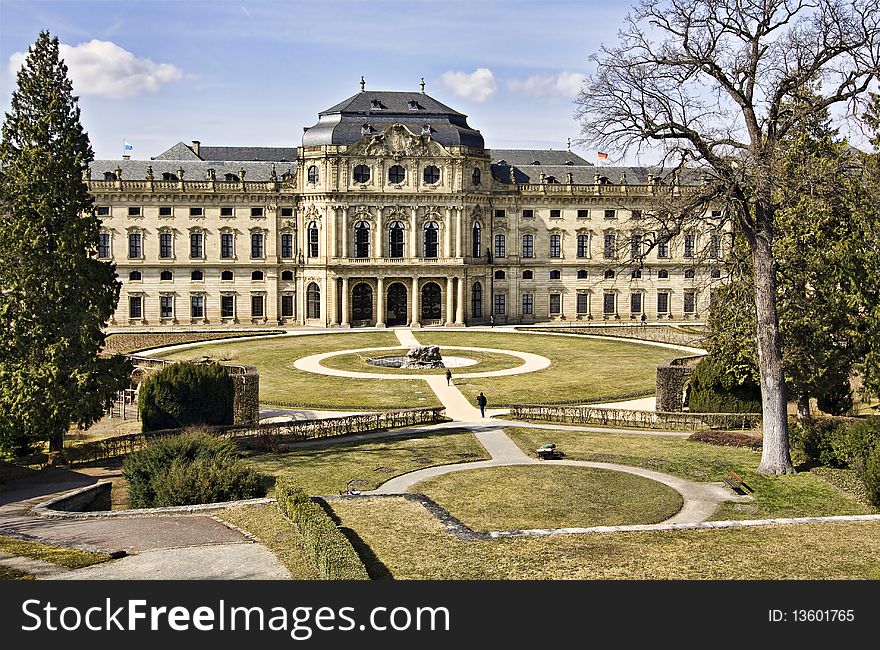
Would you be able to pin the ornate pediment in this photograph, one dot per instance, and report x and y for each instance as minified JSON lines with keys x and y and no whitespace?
{"x":397,"y":141}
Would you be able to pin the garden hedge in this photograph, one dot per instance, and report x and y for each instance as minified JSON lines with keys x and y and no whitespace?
{"x":187,"y":394}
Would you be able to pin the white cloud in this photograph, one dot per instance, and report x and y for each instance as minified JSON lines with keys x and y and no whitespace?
{"x":478,"y":86}
{"x":564,"y":84}
{"x":103,"y":68}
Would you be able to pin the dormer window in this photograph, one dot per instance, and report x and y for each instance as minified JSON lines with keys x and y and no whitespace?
{"x":426,"y":129}
{"x":551,"y":179}
{"x":569,"y":163}
{"x":376,"y":105}
{"x":109,"y":176}
{"x":231,"y":178}
{"x":366,"y":129}
{"x":414,"y":105}
{"x":536,"y":162}
{"x":168,"y":176}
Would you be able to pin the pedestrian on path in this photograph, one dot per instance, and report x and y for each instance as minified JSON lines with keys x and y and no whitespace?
{"x":448,"y":377}
{"x":481,"y":402}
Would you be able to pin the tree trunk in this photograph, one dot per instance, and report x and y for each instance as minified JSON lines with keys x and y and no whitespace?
{"x":803,"y":407}
{"x":775,"y":458}
{"x":56,"y":442}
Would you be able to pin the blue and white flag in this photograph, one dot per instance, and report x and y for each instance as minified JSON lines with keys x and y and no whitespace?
{"x":126,"y":146}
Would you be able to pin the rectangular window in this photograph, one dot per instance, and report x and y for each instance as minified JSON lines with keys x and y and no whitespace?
{"x":716,"y":214}
{"x":165,"y":211}
{"x":555,"y":246}
{"x":135,"y":250}
{"x":166,"y":306}
{"x":528,"y":214}
{"x":227,"y":306}
{"x":102,"y":211}
{"x":715,"y":247}
{"x":227,"y":245}
{"x":197,"y":306}
{"x":500,"y":213}
{"x":689,"y":241}
{"x":610,"y":214}
{"x":555,"y":303}
{"x":166,"y":250}
{"x":500,"y":246}
{"x":662,"y":249}
{"x":500,"y":303}
{"x":197,"y":212}
{"x":583,"y":214}
{"x":636,"y":214}
{"x":635,"y":303}
{"x":135,"y":306}
{"x":256,"y":212}
{"x":635,"y":245}
{"x":196,"y":245}
{"x":227,"y":212}
{"x":609,"y":304}
{"x":286,"y":245}
{"x":528,"y":246}
{"x":608,"y":245}
{"x":528,"y":303}
{"x":583,"y":245}
{"x":555,"y":214}
{"x":287,"y":212}
{"x":663,"y":302}
{"x":256,"y":245}
{"x":690,"y":302}
{"x":104,"y":246}
{"x":257,"y":303}
{"x":583,"y":303}
{"x":287,"y":306}
{"x":135,"y":212}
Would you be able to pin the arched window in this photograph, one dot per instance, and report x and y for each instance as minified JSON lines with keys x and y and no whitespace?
{"x":475,"y":177}
{"x":663,"y":274}
{"x":582,"y":274}
{"x":134,"y":276}
{"x":395,"y":239}
{"x":196,"y":276}
{"x":528,"y":275}
{"x":609,"y":274}
{"x":362,"y":302}
{"x":396,"y":174}
{"x":109,"y":176}
{"x":361,"y":174}
{"x":555,"y":274}
{"x":313,"y":238}
{"x":477,"y":300}
{"x":432,"y":238}
{"x":500,"y":275}
{"x":362,"y":239}
{"x":313,"y":301}
{"x":287,"y":276}
{"x":431,"y":174}
{"x":689,"y":274}
{"x":313,"y":174}
{"x":231,"y":178}
{"x":166,"y":276}
{"x":256,"y":276}
{"x":528,"y":246}
{"x":555,"y":246}
{"x":226,"y":276}
{"x":168,"y":176}
{"x":475,"y":239}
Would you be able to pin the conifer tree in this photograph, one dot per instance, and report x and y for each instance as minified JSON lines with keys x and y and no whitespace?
{"x":55,"y":296}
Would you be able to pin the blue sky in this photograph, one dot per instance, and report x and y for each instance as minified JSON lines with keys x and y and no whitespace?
{"x":256,"y":72}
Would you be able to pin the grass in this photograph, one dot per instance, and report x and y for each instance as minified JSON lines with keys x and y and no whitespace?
{"x":281,"y":382}
{"x":486,"y":361}
{"x":366,"y":464}
{"x":276,"y":532}
{"x":800,"y":495}
{"x":409,"y":543}
{"x":582,"y":368}
{"x":517,"y":498}
{"x":8,"y":573}
{"x":66,"y":557}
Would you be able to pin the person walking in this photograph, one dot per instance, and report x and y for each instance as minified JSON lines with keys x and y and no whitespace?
{"x":481,"y":402}
{"x":448,"y":377}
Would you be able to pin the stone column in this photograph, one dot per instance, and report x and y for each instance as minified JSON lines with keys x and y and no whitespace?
{"x":272,"y":298}
{"x":330,"y":301}
{"x":459,"y":308}
{"x":380,"y":302}
{"x":414,"y":318}
{"x":344,"y":322}
{"x":345,"y":252}
{"x":449,"y":301}
{"x":459,"y":244}
{"x":447,"y":234}
{"x":414,"y":235}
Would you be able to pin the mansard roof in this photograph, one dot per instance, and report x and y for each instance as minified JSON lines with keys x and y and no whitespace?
{"x":519,"y":157}
{"x":370,"y":112}
{"x":581,"y":174}
{"x":182,"y":151}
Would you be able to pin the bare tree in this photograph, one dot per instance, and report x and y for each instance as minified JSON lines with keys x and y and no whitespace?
{"x":716,"y":85}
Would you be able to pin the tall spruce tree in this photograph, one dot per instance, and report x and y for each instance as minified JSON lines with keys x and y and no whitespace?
{"x":55,"y":297}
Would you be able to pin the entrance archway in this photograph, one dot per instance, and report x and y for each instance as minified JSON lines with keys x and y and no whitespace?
{"x":362,"y":302}
{"x":396,"y":305}
{"x":431,"y":302}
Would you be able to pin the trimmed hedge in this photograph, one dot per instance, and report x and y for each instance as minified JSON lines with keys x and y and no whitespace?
{"x":711,"y":391}
{"x":329,"y":548}
{"x":188,"y":469}
{"x":187,"y":394}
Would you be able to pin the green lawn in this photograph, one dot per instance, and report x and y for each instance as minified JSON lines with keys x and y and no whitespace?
{"x":67,"y":557}
{"x":365,"y":465}
{"x":517,"y":498}
{"x":583,"y":369}
{"x":281,"y":382}
{"x":799,"y":495}
{"x":409,"y":543}
{"x":486,"y":361}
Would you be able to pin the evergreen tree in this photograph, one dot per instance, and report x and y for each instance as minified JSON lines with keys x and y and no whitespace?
{"x":55,"y":297}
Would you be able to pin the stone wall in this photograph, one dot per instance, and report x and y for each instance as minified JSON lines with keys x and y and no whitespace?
{"x":672,"y":378}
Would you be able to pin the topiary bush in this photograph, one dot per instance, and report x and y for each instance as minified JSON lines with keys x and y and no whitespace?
{"x":191,"y":468}
{"x":187,"y":394}
{"x":713,"y":391}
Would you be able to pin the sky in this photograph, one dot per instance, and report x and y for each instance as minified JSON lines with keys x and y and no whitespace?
{"x":254,"y":73}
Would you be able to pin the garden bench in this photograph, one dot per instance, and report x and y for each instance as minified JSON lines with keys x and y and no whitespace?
{"x":735,"y":483}
{"x":549,"y":451}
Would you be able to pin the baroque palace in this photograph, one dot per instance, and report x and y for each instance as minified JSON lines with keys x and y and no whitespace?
{"x":392,"y":212}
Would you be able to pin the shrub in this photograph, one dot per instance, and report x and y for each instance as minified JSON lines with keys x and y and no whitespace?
{"x":838,"y":442}
{"x":727,"y":439}
{"x":330,"y":549}
{"x":192,"y":468}
{"x":872,"y":475}
{"x":186,"y":394}
{"x":836,"y":398}
{"x":711,"y":391}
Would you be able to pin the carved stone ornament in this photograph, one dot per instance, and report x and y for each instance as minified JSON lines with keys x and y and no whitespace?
{"x":397,"y":141}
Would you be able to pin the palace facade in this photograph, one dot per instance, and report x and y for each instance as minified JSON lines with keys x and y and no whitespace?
{"x":391,"y":212}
